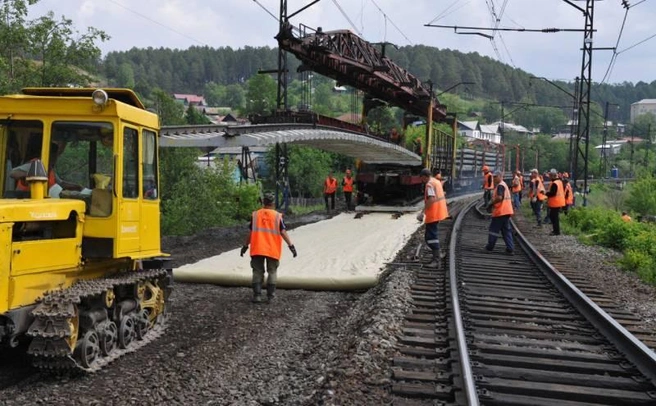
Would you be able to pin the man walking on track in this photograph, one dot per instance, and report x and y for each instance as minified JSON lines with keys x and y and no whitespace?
{"x":265,"y":238}
{"x":502,"y":210}
{"x":347,"y":187}
{"x":329,"y":190}
{"x":555,"y":200}
{"x":435,"y":210}
{"x":488,"y":185}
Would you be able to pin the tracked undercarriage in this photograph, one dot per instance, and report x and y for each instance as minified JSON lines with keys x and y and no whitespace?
{"x":96,"y":321}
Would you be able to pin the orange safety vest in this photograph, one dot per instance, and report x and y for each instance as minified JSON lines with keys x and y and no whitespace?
{"x":22,"y":185}
{"x":521,"y":183}
{"x":517,"y":187}
{"x":537,"y":185}
{"x":330,"y":185}
{"x":266,"y":239}
{"x":503,"y":208}
{"x":348,"y":184}
{"x":558,"y":200}
{"x":569,"y":195}
{"x":626,"y":218}
{"x":438,"y":210}
{"x":488,"y":184}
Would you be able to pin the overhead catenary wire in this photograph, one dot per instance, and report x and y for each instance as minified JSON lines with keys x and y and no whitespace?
{"x":341,"y":10}
{"x":446,"y":11}
{"x":158,"y":23}
{"x":391,"y":22}
{"x":613,"y":59}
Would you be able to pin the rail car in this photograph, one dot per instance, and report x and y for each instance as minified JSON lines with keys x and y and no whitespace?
{"x":82,"y":276}
{"x":397,"y":185}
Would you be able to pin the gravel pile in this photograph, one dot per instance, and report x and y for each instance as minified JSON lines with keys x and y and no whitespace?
{"x":598,"y":265}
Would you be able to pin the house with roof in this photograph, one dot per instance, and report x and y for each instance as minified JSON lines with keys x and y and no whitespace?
{"x":190,"y":99}
{"x":643,"y":106}
{"x":475,"y":130}
{"x":490,"y":132}
{"x":469,"y":129}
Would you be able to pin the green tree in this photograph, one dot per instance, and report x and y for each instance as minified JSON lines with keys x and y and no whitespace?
{"x":126,"y":76}
{"x":169,"y":111}
{"x":193,"y":116}
{"x":642,"y":196}
{"x":261,"y":93}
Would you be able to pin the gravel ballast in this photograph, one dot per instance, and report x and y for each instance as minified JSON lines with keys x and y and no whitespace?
{"x":306,"y":348}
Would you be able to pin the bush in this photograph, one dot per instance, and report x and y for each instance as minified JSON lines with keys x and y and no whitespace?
{"x":634,"y":240}
{"x":642,"y":196}
{"x":197,"y":198}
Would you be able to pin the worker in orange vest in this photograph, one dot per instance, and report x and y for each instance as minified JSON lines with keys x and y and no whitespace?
{"x":20,"y":172}
{"x":516,"y":189}
{"x":537,"y":195}
{"x":267,"y":231}
{"x":435,"y":210}
{"x":569,"y":193}
{"x":488,"y":185}
{"x":347,"y":188}
{"x":329,"y":190}
{"x":555,"y":201}
{"x":502,"y":210}
{"x":625,"y":217}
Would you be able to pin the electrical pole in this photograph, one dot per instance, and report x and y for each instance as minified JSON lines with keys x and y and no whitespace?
{"x":429,"y":130}
{"x":282,"y":61}
{"x":631,"y":161}
{"x":583,"y":104}
{"x":602,"y":160}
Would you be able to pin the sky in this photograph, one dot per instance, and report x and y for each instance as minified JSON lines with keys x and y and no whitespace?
{"x":238,"y":23}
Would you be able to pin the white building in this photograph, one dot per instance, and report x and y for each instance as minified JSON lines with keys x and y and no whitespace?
{"x":642,"y":107}
{"x":473,"y":129}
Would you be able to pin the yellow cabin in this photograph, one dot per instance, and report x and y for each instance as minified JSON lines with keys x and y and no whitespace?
{"x":79,"y":223}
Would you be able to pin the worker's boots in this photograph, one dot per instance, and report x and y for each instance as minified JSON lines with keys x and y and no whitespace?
{"x":436,"y":262}
{"x":271,"y":292}
{"x":257,"y":293}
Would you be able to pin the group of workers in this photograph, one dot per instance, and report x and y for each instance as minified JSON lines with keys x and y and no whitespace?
{"x":553,"y":188}
{"x":330,"y":190}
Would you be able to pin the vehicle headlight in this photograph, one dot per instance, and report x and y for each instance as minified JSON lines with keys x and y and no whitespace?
{"x":99,"y":97}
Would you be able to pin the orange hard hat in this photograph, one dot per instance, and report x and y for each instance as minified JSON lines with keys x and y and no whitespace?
{"x":485,"y":168}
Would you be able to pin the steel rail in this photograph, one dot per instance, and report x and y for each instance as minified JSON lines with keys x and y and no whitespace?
{"x":467,"y":374}
{"x":635,"y":350}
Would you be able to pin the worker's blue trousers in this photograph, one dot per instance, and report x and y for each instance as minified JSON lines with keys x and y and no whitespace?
{"x":500,"y":226}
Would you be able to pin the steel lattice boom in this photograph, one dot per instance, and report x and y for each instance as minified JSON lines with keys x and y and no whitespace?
{"x":349,"y":59}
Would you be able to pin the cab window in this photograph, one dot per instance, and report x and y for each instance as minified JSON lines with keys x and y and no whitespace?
{"x":150,"y":190}
{"x":130,"y":163}
{"x":20,"y":142}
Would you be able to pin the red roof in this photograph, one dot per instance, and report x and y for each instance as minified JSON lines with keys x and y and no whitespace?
{"x":190,"y":98}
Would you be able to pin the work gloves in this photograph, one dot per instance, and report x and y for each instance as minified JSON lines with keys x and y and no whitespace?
{"x":243,"y":250}
{"x":293,"y":250}
{"x":420,"y":216}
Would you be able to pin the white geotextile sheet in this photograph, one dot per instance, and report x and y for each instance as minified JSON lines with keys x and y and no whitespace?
{"x":340,"y":253}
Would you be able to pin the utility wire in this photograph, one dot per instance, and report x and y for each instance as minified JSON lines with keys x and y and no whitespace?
{"x":341,"y":10}
{"x":636,"y":44}
{"x":158,"y":23}
{"x":446,"y":11}
{"x":613,"y":59}
{"x":391,"y":22}
{"x":267,"y":10}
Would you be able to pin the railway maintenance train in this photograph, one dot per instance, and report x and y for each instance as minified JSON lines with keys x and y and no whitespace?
{"x":398,"y":185}
{"x":82,"y":275}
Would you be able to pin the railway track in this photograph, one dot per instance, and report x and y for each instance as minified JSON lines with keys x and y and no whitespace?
{"x":509,"y":330}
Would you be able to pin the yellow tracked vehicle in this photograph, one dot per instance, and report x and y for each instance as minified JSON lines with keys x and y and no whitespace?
{"x":82,"y":275}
